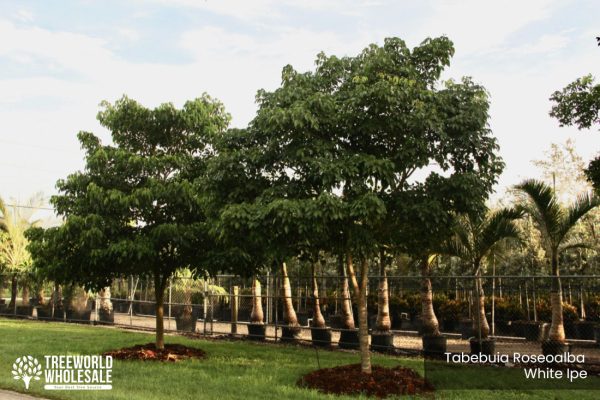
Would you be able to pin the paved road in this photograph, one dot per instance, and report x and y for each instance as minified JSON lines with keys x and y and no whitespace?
{"x":6,"y":395}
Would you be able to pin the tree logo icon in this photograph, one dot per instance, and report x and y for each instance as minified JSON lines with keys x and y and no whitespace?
{"x":27,"y":368}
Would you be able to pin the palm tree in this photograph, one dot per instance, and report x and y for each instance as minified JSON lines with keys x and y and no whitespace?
{"x":292,"y":330}
{"x":555,"y":223}
{"x":14,"y":221}
{"x":429,"y":321}
{"x":474,"y":239}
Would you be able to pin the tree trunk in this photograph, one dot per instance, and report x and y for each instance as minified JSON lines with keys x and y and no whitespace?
{"x":13,"y":291}
{"x":289,"y":314}
{"x":58,"y":296}
{"x":557,"y":328}
{"x":480,"y":324}
{"x":360,"y":292}
{"x":317,"y":321}
{"x":428,"y":318}
{"x":257,"y":316}
{"x":363,"y":328}
{"x":105,"y":303}
{"x":346,"y":300}
{"x":383,"y":324}
{"x":41,"y":300}
{"x":25,"y":293}
{"x":159,"y":291}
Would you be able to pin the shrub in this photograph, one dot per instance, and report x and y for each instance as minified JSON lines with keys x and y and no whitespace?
{"x":506,"y":310}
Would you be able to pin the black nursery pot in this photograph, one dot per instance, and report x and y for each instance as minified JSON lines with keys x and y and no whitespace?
{"x":382,"y":342}
{"x":349,"y":339}
{"x":466,"y":328}
{"x":290,"y":334}
{"x":584,"y":330}
{"x":532,"y":330}
{"x":553,"y":347}
{"x":79,"y":316}
{"x":186,"y":323}
{"x":59,"y":314}
{"x":597,"y":333}
{"x":25,"y":311}
{"x":44,"y":313}
{"x":257,"y":331}
{"x":320,"y":336}
{"x":434,"y":346}
{"x":106,"y":317}
{"x":483,"y":346}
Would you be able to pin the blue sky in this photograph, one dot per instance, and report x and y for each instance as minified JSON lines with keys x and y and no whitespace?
{"x":59,"y":59}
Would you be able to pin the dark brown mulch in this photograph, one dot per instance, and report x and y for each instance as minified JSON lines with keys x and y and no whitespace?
{"x":171,"y":352}
{"x":383,"y":382}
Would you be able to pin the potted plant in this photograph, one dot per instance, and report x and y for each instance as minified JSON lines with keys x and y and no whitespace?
{"x":507,"y":313}
{"x":434,"y":344}
{"x":256,"y":327}
{"x":290,"y":332}
{"x":106,"y":313}
{"x":382,"y":339}
{"x":319,"y":332}
{"x":184,"y":285}
{"x":348,"y":332}
{"x":56,"y":309}
{"x":571,"y":321}
{"x":555,"y":224}
{"x":451,"y":311}
{"x":78,"y":308}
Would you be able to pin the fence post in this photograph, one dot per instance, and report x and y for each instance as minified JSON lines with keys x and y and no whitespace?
{"x":234,"y":308}
{"x":205,"y":305}
{"x":494,"y":296}
{"x":535,"y":316}
{"x":276,"y":303}
{"x":269,"y":301}
{"x":170,"y":287}
{"x":212,"y":311}
{"x":96,"y":306}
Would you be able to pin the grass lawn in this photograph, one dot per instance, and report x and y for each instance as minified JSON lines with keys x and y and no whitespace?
{"x":232,"y":370}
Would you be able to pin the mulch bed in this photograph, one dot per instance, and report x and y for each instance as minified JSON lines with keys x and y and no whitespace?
{"x":171,"y":352}
{"x":383,"y":382}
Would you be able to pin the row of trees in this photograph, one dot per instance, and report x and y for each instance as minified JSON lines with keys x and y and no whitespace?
{"x":365,"y":158}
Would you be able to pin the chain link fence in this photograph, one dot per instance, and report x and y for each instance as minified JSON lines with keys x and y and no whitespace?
{"x":517,"y":309}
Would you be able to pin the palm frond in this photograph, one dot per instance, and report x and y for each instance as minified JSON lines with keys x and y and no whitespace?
{"x":498,"y":227}
{"x":3,"y":226}
{"x":575,"y":246}
{"x":543,"y":207}
{"x":584,"y":204}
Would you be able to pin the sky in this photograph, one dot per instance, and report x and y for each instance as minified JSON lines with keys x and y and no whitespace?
{"x":60,"y":59}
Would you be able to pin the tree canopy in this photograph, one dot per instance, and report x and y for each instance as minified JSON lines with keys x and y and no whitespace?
{"x":578,"y":104}
{"x":360,"y":153}
{"x":135,"y":208}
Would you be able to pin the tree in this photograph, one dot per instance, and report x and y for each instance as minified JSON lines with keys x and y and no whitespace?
{"x":578,"y":104}
{"x":556,"y":224}
{"x":15,"y":257}
{"x":475,"y":238}
{"x":135,"y":209}
{"x":563,"y":169}
{"x":335,"y":143}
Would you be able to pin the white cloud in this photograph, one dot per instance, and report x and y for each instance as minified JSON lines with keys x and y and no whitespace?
{"x":129,"y":34}
{"x":545,"y":44}
{"x":71,"y":51}
{"x":241,"y":9}
{"x":269,"y":10}
{"x":478,"y":26}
